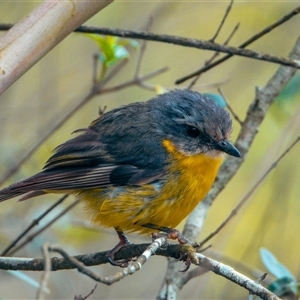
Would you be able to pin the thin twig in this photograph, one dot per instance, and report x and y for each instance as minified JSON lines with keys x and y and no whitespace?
{"x":142,"y":51}
{"x":215,"y":55}
{"x":134,"y":81}
{"x":35,"y":222}
{"x":133,"y":267}
{"x":89,"y":294}
{"x":31,"y":237}
{"x":243,"y":45}
{"x":250,"y":192}
{"x":259,"y":281}
{"x":235,"y":116}
{"x":47,"y":270}
{"x":227,"y":11}
{"x":95,"y":68}
{"x":138,"y":78}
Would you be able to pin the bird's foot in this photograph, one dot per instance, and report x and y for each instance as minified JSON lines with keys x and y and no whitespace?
{"x":187,"y":250}
{"x":188,"y":255}
{"x":124,"y":241}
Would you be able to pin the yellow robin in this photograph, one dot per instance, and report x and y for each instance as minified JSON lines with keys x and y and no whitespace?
{"x":141,"y":167}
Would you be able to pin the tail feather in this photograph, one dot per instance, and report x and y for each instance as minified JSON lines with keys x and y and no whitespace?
{"x":17,"y":189}
{"x":31,"y":195}
{"x":6,"y":194}
{"x":59,"y":180}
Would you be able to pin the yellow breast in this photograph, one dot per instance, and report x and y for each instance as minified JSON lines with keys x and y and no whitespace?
{"x":188,"y":180}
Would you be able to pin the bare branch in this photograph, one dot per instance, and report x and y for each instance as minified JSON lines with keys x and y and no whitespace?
{"x":255,"y":37}
{"x":215,"y":55}
{"x":33,"y":223}
{"x":236,"y":277}
{"x":235,"y":116}
{"x":192,"y":43}
{"x":79,"y":297}
{"x":133,"y":267}
{"x":31,"y":237}
{"x":46,"y":274}
{"x":227,"y":11}
{"x":173,"y":250}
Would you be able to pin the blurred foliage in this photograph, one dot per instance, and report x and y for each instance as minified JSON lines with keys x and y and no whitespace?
{"x":64,"y":76}
{"x":284,"y":106}
{"x":285,"y":282}
{"x":217,"y":98}
{"x":112,"y":50}
{"x":291,"y":91}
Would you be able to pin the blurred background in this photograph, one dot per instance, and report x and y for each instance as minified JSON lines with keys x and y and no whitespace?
{"x":63,"y":77}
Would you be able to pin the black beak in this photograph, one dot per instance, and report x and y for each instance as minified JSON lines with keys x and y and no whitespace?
{"x":228,"y":148}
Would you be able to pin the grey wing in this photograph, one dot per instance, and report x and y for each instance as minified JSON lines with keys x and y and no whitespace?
{"x":71,"y":179}
{"x":84,"y":163}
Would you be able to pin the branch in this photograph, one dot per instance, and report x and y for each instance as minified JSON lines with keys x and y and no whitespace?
{"x":43,"y":228}
{"x":227,"y":11}
{"x":214,"y":56}
{"x":255,"y":37}
{"x":33,"y":223}
{"x":34,"y":36}
{"x":92,"y":259}
{"x":144,"y":252}
{"x":236,"y":277}
{"x":188,"y":42}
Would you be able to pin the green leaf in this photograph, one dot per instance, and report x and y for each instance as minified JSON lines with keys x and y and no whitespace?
{"x":277,"y":269}
{"x":112,"y":49}
{"x":283,"y":286}
{"x":291,"y":90}
{"x":217,"y":98}
{"x":126,"y":42}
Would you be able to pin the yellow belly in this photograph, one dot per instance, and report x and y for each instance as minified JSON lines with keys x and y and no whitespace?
{"x":165,"y":204}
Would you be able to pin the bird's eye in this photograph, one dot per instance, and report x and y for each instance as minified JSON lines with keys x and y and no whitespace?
{"x":193,"y":131}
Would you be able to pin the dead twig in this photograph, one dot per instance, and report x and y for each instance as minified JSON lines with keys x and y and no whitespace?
{"x":255,"y":37}
{"x":34,"y":223}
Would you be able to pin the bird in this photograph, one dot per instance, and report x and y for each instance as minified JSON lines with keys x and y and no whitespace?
{"x":141,"y":167}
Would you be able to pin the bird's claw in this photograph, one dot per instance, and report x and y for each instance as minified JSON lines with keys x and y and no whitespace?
{"x":123,"y":263}
{"x":188,"y":255}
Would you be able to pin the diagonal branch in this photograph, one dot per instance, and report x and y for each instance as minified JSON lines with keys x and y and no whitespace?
{"x":227,"y":11}
{"x":188,"y":42}
{"x":252,"y":39}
